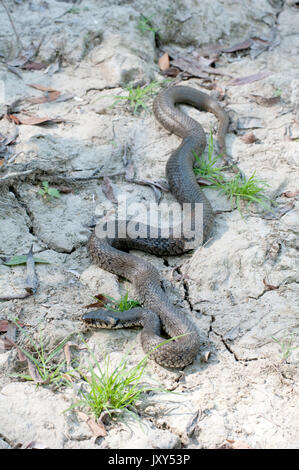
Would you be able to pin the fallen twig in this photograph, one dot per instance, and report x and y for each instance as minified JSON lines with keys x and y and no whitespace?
{"x":12,"y":24}
{"x":31,"y":282}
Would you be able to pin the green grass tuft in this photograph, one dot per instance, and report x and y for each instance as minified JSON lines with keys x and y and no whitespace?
{"x":113,"y":389}
{"x":43,"y":366}
{"x":138,"y":96}
{"x":145,"y":24}
{"x":122,"y":304}
{"x":236,"y":189}
{"x":46,"y":191}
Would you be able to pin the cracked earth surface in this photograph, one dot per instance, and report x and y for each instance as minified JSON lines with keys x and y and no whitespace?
{"x":240,"y":388}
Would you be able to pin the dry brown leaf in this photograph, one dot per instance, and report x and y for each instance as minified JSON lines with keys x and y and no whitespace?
{"x":34,"y":372}
{"x":262,"y":101}
{"x":48,"y":97}
{"x":5,"y":344}
{"x":34,"y":66}
{"x":108,"y":189}
{"x":174,"y":72}
{"x":290,"y":193}
{"x":203,"y":181}
{"x":198,"y":67}
{"x":249,"y":138}
{"x":40,"y":87}
{"x":3,"y":326}
{"x":278,"y":212}
{"x":36,"y":120}
{"x":102,"y":301}
{"x":237,"y":444}
{"x":164,"y":61}
{"x":239,"y":46}
{"x":269,"y":286}
{"x":13,"y":118}
{"x":97,"y":427}
{"x":63,"y":189}
{"x":250,"y":78}
{"x":67,"y":351}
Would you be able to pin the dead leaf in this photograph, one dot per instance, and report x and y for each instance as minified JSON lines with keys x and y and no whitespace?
{"x":164,"y":62}
{"x":48,"y":97}
{"x":9,"y":344}
{"x":239,"y":46}
{"x":262,"y":44}
{"x":279,"y":211}
{"x":102,"y":301}
{"x":5,"y":344}
{"x":197,"y":67}
{"x":36,"y":120}
{"x":269,"y":286}
{"x":33,"y":371}
{"x":174,"y":72}
{"x":108,"y":189}
{"x":3,"y":326}
{"x":33,"y":66}
{"x":63,"y":189}
{"x":250,"y":78}
{"x":237,"y":444}
{"x":262,"y":101}
{"x":13,"y":118}
{"x":249,"y":138}
{"x":203,"y":181}
{"x":97,"y":427}
{"x":40,"y":87}
{"x":290,"y":193}
{"x":67,"y":351}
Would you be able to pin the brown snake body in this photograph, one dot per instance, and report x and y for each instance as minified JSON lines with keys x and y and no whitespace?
{"x":111,"y":254}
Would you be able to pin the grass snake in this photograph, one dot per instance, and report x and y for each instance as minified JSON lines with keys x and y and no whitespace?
{"x":112,"y":253}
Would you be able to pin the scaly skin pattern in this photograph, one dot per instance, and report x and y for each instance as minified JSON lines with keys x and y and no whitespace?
{"x":111,"y":254}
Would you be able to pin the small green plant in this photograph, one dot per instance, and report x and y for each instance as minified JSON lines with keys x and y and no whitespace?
{"x":286,"y":346}
{"x":113,"y":389}
{"x":248,"y":189}
{"x":277,"y":91}
{"x":206,"y":167}
{"x":138,"y":96}
{"x":122,"y":304}
{"x":145,"y":25}
{"x":41,"y":364}
{"x":46,"y":191}
{"x":251,"y":190}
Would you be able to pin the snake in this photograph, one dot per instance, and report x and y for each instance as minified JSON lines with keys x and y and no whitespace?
{"x":157,"y":316}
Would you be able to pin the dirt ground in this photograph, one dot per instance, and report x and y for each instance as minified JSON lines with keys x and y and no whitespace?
{"x":241,"y":288}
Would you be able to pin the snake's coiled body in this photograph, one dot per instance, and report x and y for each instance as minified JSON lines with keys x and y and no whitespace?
{"x":109,"y":254}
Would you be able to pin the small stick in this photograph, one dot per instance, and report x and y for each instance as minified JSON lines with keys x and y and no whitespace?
{"x":31,"y":282}
{"x":20,"y":295}
{"x":12,"y":24}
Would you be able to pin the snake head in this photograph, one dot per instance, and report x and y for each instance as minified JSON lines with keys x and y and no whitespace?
{"x":101,"y":319}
